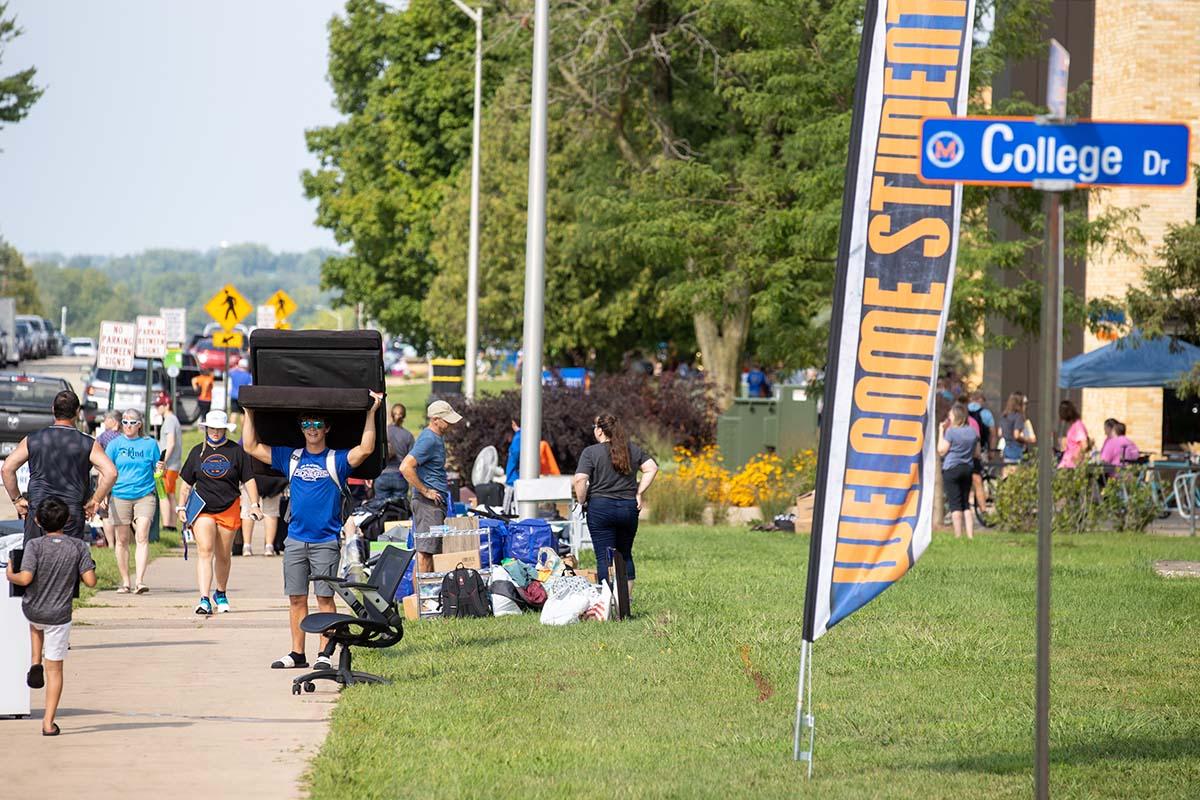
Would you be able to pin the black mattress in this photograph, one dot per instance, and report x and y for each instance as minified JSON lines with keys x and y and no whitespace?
{"x":326,"y":372}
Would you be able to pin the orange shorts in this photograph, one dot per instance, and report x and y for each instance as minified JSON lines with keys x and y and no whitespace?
{"x":230,"y":519}
{"x":169,"y":479}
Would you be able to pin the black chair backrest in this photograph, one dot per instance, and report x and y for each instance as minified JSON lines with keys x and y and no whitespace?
{"x":386,"y":576}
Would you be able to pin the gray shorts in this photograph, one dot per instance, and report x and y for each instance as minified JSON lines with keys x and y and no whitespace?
{"x":426,"y":514}
{"x":302,"y":560}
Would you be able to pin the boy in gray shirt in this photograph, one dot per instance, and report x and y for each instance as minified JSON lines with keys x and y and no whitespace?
{"x":51,"y":567}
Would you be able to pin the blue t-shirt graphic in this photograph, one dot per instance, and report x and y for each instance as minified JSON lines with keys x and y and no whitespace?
{"x":135,"y":460}
{"x":430,"y":455}
{"x":316,"y":500}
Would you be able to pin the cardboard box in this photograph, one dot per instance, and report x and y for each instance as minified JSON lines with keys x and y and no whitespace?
{"x":445,"y":562}
{"x":411,"y":609}
{"x":590,"y":574}
{"x":469,"y":540}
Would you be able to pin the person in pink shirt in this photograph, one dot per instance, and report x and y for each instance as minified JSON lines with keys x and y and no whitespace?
{"x":1118,"y":450}
{"x":1076,"y":444}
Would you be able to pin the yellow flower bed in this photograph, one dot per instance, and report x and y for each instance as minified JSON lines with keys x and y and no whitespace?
{"x":765,"y":477}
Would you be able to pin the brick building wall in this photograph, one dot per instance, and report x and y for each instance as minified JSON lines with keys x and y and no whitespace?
{"x":1146,"y":66}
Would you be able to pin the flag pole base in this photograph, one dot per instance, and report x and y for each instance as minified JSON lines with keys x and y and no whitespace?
{"x":805,"y":722}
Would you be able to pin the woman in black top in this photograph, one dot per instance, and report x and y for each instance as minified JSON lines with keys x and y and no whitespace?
{"x":608,"y":485}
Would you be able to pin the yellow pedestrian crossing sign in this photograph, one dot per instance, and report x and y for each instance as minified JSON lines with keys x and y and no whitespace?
{"x":227,"y":339}
{"x":228,"y":307}
{"x":284,"y":305}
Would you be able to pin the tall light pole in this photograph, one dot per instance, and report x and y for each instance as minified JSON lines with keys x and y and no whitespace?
{"x":535,"y":253}
{"x":473,"y":247}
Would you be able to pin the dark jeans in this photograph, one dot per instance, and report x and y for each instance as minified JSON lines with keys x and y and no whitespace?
{"x":612,"y":523}
{"x":391,"y":484}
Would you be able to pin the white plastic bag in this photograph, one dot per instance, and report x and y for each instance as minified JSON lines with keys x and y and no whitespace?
{"x":502,"y":605}
{"x":567,"y":601}
{"x":601,"y":607}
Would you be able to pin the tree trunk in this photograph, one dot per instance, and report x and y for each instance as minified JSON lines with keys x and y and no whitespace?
{"x":722,"y":339}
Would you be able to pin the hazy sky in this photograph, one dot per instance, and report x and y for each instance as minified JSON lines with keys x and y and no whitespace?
{"x":165,"y":124}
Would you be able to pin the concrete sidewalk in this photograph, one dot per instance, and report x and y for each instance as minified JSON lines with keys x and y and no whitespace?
{"x":159,"y":702}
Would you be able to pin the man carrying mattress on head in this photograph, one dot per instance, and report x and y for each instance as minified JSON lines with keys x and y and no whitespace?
{"x":317,"y":477}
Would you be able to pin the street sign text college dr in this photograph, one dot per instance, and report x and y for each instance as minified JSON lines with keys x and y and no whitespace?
{"x":1019,"y":152}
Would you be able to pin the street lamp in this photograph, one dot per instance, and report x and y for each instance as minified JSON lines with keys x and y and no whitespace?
{"x":473,"y":247}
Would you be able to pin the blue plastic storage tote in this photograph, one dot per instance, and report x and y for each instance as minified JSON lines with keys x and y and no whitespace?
{"x":526,"y":537}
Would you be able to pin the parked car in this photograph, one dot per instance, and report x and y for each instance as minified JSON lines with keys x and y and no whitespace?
{"x":26,"y":405}
{"x":54,"y":339}
{"x":25,"y":340}
{"x":38,"y":334}
{"x":131,"y":391}
{"x":209,"y":356}
{"x":83,"y":346}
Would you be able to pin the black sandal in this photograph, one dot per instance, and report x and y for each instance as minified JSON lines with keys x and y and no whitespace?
{"x":54,"y":730}
{"x":36,"y":677}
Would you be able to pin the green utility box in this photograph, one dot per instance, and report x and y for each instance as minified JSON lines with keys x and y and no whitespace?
{"x":785,"y":424}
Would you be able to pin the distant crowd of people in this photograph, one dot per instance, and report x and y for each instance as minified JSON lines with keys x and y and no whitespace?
{"x":971,"y":438}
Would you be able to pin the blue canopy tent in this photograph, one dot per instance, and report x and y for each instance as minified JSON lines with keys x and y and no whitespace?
{"x":1130,"y":361}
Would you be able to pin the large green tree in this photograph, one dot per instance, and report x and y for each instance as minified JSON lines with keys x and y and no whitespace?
{"x":18,"y":92}
{"x":1167,"y":302}
{"x":17,"y":281}
{"x":697,"y":153}
{"x":403,"y":82}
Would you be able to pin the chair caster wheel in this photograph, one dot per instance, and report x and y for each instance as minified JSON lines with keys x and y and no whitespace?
{"x":310,"y":687}
{"x":295,"y":688}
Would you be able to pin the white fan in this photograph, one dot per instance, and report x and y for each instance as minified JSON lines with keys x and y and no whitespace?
{"x":485,"y":466}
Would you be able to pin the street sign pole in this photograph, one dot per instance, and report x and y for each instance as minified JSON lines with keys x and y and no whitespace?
{"x":149,"y":384}
{"x":1052,"y":154}
{"x":225,"y":381}
{"x":1047,"y":414}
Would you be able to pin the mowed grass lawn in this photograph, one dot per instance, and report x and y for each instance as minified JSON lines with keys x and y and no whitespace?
{"x":925,"y":693}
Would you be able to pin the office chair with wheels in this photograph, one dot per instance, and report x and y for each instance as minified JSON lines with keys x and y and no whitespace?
{"x":376,"y":621}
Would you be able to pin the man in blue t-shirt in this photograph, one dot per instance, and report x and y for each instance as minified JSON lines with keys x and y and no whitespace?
{"x":317,"y":477}
{"x":425,"y":470}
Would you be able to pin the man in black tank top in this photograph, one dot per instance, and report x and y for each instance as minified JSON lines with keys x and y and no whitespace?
{"x":60,"y":461}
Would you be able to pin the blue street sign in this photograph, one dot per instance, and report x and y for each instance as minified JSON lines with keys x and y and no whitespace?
{"x":1006,"y":151}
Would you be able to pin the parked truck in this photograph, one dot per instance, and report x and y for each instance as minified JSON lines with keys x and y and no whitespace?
{"x":8,"y":333}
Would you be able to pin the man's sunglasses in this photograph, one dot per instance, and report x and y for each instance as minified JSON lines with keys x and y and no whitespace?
{"x":312,"y":424}
{"x":131,"y":422}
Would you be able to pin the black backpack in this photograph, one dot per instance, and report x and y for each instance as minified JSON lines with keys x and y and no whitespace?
{"x":985,"y":431}
{"x":464,"y":594}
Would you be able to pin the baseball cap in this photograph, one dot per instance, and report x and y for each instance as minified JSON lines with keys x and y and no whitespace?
{"x":440,"y":409}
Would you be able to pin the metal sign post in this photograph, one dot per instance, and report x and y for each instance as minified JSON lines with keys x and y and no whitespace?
{"x":1054,"y":155}
{"x":1047,"y":405}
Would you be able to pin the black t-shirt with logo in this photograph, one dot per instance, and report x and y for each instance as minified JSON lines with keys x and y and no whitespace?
{"x":603,"y":479}
{"x":217,"y":473}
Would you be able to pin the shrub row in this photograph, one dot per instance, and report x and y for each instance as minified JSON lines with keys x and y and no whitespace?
{"x":661,"y":413}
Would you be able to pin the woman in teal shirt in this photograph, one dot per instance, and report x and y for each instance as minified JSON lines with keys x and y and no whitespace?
{"x":134,"y":500}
